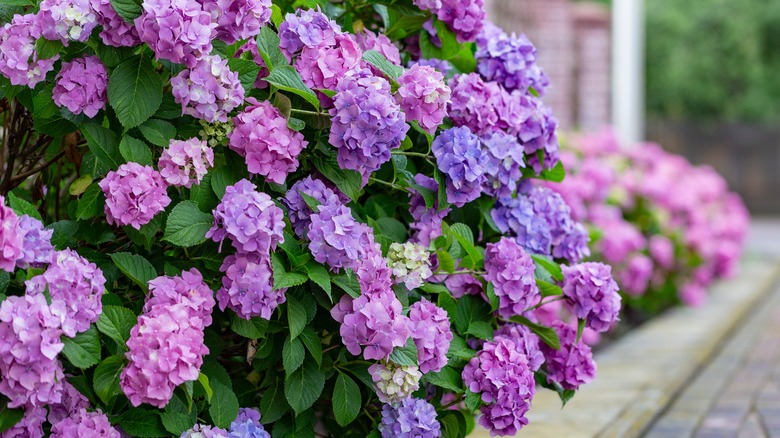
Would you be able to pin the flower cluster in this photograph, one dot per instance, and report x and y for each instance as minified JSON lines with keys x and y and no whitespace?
{"x":412,"y":417}
{"x":18,"y":60}
{"x":31,"y":424}
{"x":410,"y":263}
{"x":180,"y":31}
{"x":459,"y":155}
{"x":525,"y":341}
{"x":306,"y":28}
{"x":324,"y":66}
{"x":571,"y":365}
{"x":84,"y":423}
{"x":593,"y":293}
{"x":393,"y":383}
{"x":11,"y":241}
{"x":299,"y":211}
{"x":466,"y":19}
{"x":72,"y":402}
{"x":430,"y":327}
{"x":66,"y":20}
{"x":81,"y":86}
{"x":423,"y":96}
{"x":202,"y":431}
{"x":261,"y":135}
{"x":185,"y":162}
{"x":511,"y":271}
{"x":336,"y":238}
{"x":134,"y":195}
{"x":509,"y":60}
{"x":427,"y":221}
{"x":247,"y":425}
{"x":209,"y":90}
{"x":240,"y":20}
{"x":247,"y":287}
{"x":115,"y":31}
{"x":504,"y":165}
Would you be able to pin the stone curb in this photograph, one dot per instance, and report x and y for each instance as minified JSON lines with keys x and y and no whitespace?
{"x":642,"y":372}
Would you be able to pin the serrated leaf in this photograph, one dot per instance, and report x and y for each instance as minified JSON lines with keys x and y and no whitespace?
{"x":254,"y":328}
{"x":136,"y":268}
{"x":287,"y":78}
{"x":446,"y":378}
{"x":134,"y":91}
{"x":554,"y":269}
{"x":204,"y":383}
{"x":392,"y":228}
{"x":473,"y":401}
{"x":91,"y":203}
{"x":116,"y":323}
{"x":187,"y":225}
{"x":282,"y":278}
{"x":312,"y":342}
{"x":22,"y":207}
{"x":176,"y":422}
{"x":406,"y":355}
{"x":103,"y":143}
{"x":106,"y":378}
{"x":346,"y":400}
{"x":293,"y":354}
{"x":247,"y":72}
{"x":379,"y":61}
{"x":128,"y":10}
{"x":548,"y":335}
{"x":348,"y":181}
{"x":142,"y":423}
{"x":347,"y":282}
{"x":319,"y":275}
{"x":223,"y":408}
{"x":221,"y":178}
{"x":548,"y":289}
{"x":47,"y":49}
{"x":268,"y":46}
{"x":158,"y":132}
{"x":296,"y":316}
{"x":273,"y":404}
{"x":303,"y":387}
{"x":446,"y":262}
{"x":83,"y":350}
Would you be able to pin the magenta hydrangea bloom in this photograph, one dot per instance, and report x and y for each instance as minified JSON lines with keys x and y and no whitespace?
{"x":188,"y":289}
{"x":393,"y":382}
{"x":572,"y":365}
{"x":66,"y":20}
{"x":37,"y":250}
{"x":203,"y":431}
{"x":439,"y":64}
{"x":526,"y":341}
{"x":209,"y":90}
{"x":412,"y":418}
{"x":71,"y":403}
{"x":11,"y":238}
{"x":427,"y":221}
{"x":81,"y":86}
{"x":185,"y":162}
{"x":374,"y":325}
{"x":30,"y":426}
{"x":593,"y":293}
{"x":298,"y":211}
{"x":662,"y":250}
{"x":32,"y":375}
{"x":336,"y":238}
{"x":459,"y":155}
{"x":247,"y":425}
{"x":84,"y":424}
{"x":428,"y":5}
{"x":115,"y":31}
{"x":324,"y":66}
{"x":463,"y":284}
{"x":430,"y":327}
{"x":165,"y":349}
{"x":368,"y":40}
{"x":473,"y":103}
{"x":505,"y":163}
{"x":511,"y":272}
{"x":466,"y":20}
{"x":249,"y":218}
{"x":509,"y":60}
{"x":75,"y":287}
{"x":306,"y":28}
{"x":247,"y":287}
{"x":635,"y":276}
{"x":239,"y":20}
{"x":423,"y":96}
{"x":501,"y":374}
{"x":134,"y":195}
{"x":18,"y":60}
{"x":180,"y":31}
{"x":262,"y":136}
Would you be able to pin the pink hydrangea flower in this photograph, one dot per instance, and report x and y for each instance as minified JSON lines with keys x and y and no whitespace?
{"x":66,"y":20}
{"x":572,"y":365}
{"x":11,"y":240}
{"x":374,"y":326}
{"x":85,"y":424}
{"x":185,"y":162}
{"x":593,"y":294}
{"x":336,"y":238}
{"x":188,"y":289}
{"x":247,"y":287}
{"x":430,"y":327}
{"x":115,"y":31}
{"x":306,"y":28}
{"x":240,"y":20}
{"x":262,"y":136}
{"x":511,"y":271}
{"x":134,"y":195}
{"x":324,"y":66}
{"x":18,"y":60}
{"x":423,"y":96}
{"x":209,"y":90}
{"x":180,"y":31}
{"x":72,"y":401}
{"x":81,"y":86}
{"x":298,"y":211}
{"x":37,"y":250}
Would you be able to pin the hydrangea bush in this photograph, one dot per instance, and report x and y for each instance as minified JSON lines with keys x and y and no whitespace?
{"x":287,"y":218}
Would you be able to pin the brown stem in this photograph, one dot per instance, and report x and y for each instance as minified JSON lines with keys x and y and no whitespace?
{"x":23,"y":176}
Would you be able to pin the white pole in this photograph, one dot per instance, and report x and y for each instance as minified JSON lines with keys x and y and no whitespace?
{"x":628,"y":70}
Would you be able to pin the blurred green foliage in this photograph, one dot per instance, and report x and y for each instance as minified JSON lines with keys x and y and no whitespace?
{"x":713,"y":59}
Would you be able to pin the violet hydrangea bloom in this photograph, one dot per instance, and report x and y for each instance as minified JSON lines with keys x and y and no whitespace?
{"x":209,"y":90}
{"x":572,"y":365}
{"x":636,"y":274}
{"x":37,"y":250}
{"x":374,"y":325}
{"x":115,"y":31}
{"x":423,"y":96}
{"x":427,"y":221}
{"x":204,"y":431}
{"x":247,"y":287}
{"x":324,"y":66}
{"x":249,"y":218}
{"x":297,"y":209}
{"x":465,"y":18}
{"x":459,"y":155}
{"x":247,"y":425}
{"x":511,"y":271}
{"x":526,"y":341}
{"x":32,"y":375}
{"x":509,"y":60}
{"x":187,"y":288}
{"x":410,"y":263}
{"x":71,"y":403}
{"x":11,"y":239}
{"x":261,"y":135}
{"x":473,"y":103}
{"x":134,"y":195}
{"x":336,"y":238}
{"x":306,"y":28}
{"x":662,"y":250}
{"x":180,"y":31}
{"x":412,"y":418}
{"x":430,"y":326}
{"x":463,"y":284}
{"x":185,"y":162}
{"x":504,"y":164}
{"x":30,"y":426}
{"x":19,"y":61}
{"x":368,"y":40}
{"x":81,"y":86}
{"x":66,"y":20}
{"x":502,"y":375}
{"x":240,"y":20}
{"x":84,"y":424}
{"x":75,"y":287}
{"x":393,"y":382}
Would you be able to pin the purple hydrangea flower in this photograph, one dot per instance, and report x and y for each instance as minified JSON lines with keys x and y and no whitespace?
{"x":511,"y":271}
{"x":239,"y":20}
{"x":209,"y":90}
{"x":466,"y":20}
{"x":423,"y":96}
{"x":502,"y":375}
{"x":324,"y":66}
{"x":374,"y":324}
{"x":430,"y":327}
{"x":134,"y":195}
{"x":84,"y":424}
{"x":247,"y":287}
{"x":18,"y":60}
{"x":30,"y":426}
{"x":66,"y":20}
{"x":71,"y":403}
{"x":427,"y":221}
{"x":262,"y":136}
{"x":188,"y":289}
{"x":473,"y":103}
{"x":306,"y":28}
{"x":185,"y":162}
{"x":636,"y":274}
{"x":249,"y":218}
{"x":11,"y":238}
{"x":393,"y":382}
{"x":115,"y":31}
{"x":37,"y":250}
{"x":412,"y":418}
{"x":165,"y":349}
{"x":572,"y":365}
{"x":81,"y":86}
{"x":75,"y":287}
{"x":297,"y":209}
{"x":336,"y":238}
{"x":459,"y":155}
{"x":662,"y":250}
{"x":509,"y":60}
{"x":32,"y":375}
{"x":368,"y":40}
{"x":247,"y":425}
{"x":538,"y":135}
{"x":504,"y":164}
{"x":463,"y":284}
{"x":526,"y":341}
{"x":180,"y":31}
{"x":203,"y":431}
{"x":444,"y":67}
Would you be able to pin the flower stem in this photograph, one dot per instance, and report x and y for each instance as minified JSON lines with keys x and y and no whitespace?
{"x":560,"y":298}
{"x":389,"y":184}
{"x":412,"y":154}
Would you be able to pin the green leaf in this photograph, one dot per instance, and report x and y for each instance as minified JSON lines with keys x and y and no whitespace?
{"x":319,"y":275}
{"x":346,"y":400}
{"x":116,"y":323}
{"x":310,"y":201}
{"x":204,"y":383}
{"x":392,"y":228}
{"x":303,"y":387}
{"x":449,"y":44}
{"x":22,"y":207}
{"x":103,"y":143}
{"x":63,"y":233}
{"x":296,"y":316}
{"x":113,"y":56}
{"x":158,"y":132}
{"x":79,"y":185}
{"x":473,"y":401}
{"x":139,"y":422}
{"x":129,"y":10}
{"x":429,"y":196}
{"x":134,"y":91}
{"x":548,"y":265}
{"x":287,"y":78}
{"x":548,"y":289}
{"x":580,"y":329}
{"x":135,"y":151}
{"x":222,"y":178}
{"x":187,"y":225}
{"x":254,"y":328}
{"x":268,"y":46}
{"x":274,"y":405}
{"x":347,"y":282}
{"x":379,"y":61}
{"x":462,"y":233}
{"x":83,"y":350}
{"x":5,"y":280}
{"x":282,"y":278}
{"x":556,"y":174}
{"x":453,"y":424}
{"x":473,"y":316}
{"x":136,"y":268}
{"x":447,"y":378}
{"x":47,"y":49}
{"x":446,"y":262}
{"x":406,"y":355}
{"x":9,"y":417}
{"x":91,"y":202}
{"x":176,"y":422}
{"x":293,"y":354}
{"x":348,"y":181}
{"x":312,"y":342}
{"x":106,"y":378}
{"x":295,"y":124}
{"x":224,"y":405}
{"x":459,"y":349}
{"x":247,"y":72}
{"x":546,"y":334}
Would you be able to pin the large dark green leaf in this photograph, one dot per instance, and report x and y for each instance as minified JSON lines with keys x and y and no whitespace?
{"x":116,"y":323}
{"x":103,"y":143}
{"x":134,"y":91}
{"x":303,"y":387}
{"x":135,"y":267}
{"x":346,"y":400}
{"x":224,"y":405}
{"x":187,"y":225}
{"x":106,"y":378}
{"x":83,"y":350}
{"x":287,"y":78}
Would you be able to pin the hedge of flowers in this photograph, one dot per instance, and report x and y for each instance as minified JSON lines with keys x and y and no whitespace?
{"x":243,"y":218}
